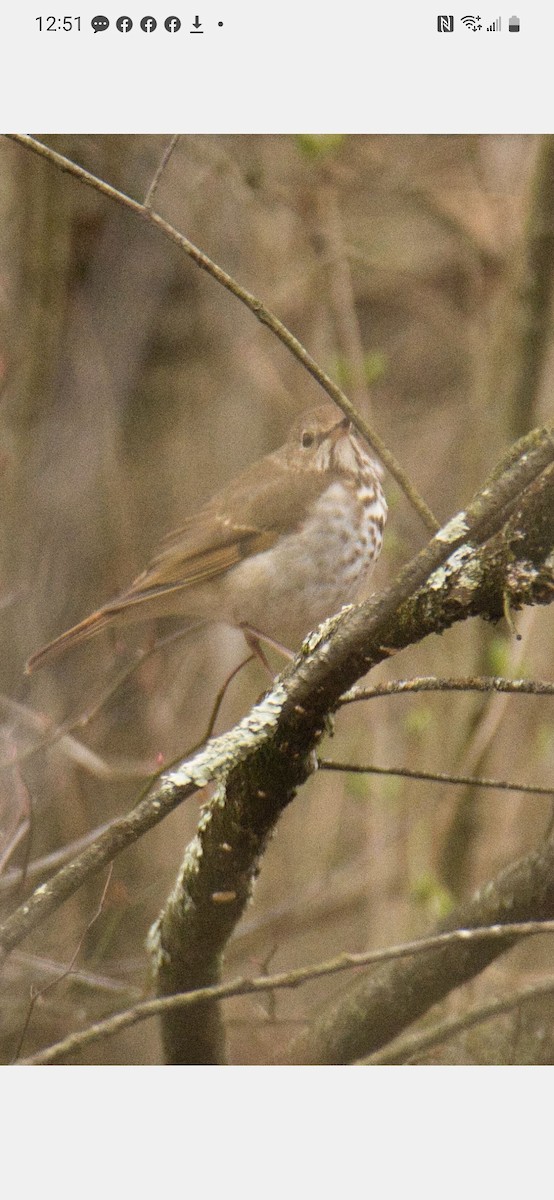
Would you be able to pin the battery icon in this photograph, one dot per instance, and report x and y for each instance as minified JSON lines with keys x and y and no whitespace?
{"x":513,"y":25}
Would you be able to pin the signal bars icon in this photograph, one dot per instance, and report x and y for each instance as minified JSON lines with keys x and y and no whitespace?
{"x":445,"y":24}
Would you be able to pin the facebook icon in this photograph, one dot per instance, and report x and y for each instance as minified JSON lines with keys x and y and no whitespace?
{"x":172,"y":24}
{"x":124,"y":24}
{"x":148,"y":24}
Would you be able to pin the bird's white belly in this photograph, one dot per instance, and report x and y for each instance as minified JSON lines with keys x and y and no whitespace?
{"x":309,"y":574}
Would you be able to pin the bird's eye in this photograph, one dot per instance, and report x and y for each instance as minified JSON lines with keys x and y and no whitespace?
{"x":308,"y":440}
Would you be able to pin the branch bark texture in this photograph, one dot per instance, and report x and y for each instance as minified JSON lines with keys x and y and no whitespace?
{"x":498,"y":552}
{"x":376,"y":1010}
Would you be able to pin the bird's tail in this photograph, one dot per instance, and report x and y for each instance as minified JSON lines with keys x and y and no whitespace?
{"x":95,"y":623}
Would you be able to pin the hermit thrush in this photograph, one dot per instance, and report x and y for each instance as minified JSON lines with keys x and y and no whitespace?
{"x":283,"y":546}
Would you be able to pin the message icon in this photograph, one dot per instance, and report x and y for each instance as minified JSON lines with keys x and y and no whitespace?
{"x":99,"y":24}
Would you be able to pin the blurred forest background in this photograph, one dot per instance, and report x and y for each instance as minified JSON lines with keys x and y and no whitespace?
{"x":132,"y":388}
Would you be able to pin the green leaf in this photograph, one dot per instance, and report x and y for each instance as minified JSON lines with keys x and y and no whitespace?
{"x":498,"y":656}
{"x":418,"y":720}
{"x":429,"y":893}
{"x":375,"y":366}
{"x":318,"y":145}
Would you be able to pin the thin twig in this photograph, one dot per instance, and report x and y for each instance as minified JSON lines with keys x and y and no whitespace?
{"x":49,"y":967}
{"x":433,"y":683}
{"x":215,"y":710}
{"x":300,"y":699}
{"x":263,"y":314}
{"x":411,"y":1047}
{"x":341,"y":291}
{"x":160,"y":170}
{"x":41,"y":867}
{"x":10,"y":848}
{"x":481,"y":730}
{"x":435,"y":777}
{"x":36,"y":993}
{"x":283,"y":979}
{"x":75,"y":749}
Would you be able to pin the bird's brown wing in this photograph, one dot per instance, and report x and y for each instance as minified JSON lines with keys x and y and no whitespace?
{"x":244,"y":519}
{"x":177,"y":566}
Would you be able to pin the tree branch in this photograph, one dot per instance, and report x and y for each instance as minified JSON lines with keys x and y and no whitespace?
{"x":502,"y":785}
{"x":454,"y":577}
{"x":259,"y":310}
{"x":145,"y":1009}
{"x":410,"y":1047}
{"x":434,"y":683}
{"x":376,"y":1010}
{"x":500,"y":547}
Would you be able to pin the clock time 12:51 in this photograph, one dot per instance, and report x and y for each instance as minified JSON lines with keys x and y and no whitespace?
{"x":58,"y":24}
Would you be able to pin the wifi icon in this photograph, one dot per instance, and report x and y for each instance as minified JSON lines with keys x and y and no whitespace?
{"x":473,"y":23}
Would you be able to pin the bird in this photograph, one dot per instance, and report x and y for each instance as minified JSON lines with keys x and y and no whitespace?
{"x":283,"y":546}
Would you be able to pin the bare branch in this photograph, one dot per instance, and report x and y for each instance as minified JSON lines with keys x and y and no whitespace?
{"x":502,"y":543}
{"x":283,"y":979}
{"x":160,"y":170}
{"x":412,"y":1047}
{"x":436,"y":777}
{"x":10,"y":847}
{"x":377,"y":1008}
{"x":263,"y":314}
{"x":433,"y":683}
{"x":341,"y":290}
{"x":49,"y":967}
{"x":37,"y":993}
{"x":214,"y":884}
{"x":40,"y":867}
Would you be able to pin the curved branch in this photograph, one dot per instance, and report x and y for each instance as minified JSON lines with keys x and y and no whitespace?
{"x":501,"y":785}
{"x":500,"y":547}
{"x":259,"y":310}
{"x":145,"y":1009}
{"x":407,"y":1049}
{"x":456,"y":576}
{"x":435,"y":683}
{"x":378,"y":1008}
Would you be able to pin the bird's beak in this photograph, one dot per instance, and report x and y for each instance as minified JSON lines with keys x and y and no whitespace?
{"x":340,"y":430}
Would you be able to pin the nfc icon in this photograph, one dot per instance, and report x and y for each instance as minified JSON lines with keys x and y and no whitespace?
{"x":124,"y":24}
{"x":445,"y":24}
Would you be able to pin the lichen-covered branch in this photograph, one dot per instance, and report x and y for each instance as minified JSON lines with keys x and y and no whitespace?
{"x":161,"y":799}
{"x":434,"y":683}
{"x":391,"y":998}
{"x":499,"y":551}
